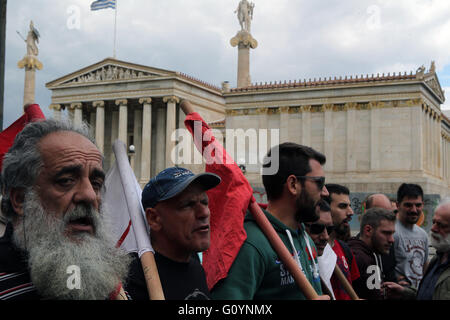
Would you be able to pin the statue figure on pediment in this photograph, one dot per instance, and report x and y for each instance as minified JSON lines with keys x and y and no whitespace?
{"x":432,"y":67}
{"x":109,"y":73}
{"x":121,"y":73}
{"x":98,"y":75}
{"x":127,"y":74}
{"x":115,"y":73}
{"x":103,"y":74}
{"x":420,"y":71}
{"x":133,"y":74}
{"x":140,"y":74}
{"x":245,"y":14}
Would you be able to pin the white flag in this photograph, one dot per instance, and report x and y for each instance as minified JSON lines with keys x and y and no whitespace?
{"x":327,"y":263}
{"x":122,"y":201}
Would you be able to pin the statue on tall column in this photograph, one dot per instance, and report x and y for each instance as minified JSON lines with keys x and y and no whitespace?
{"x":32,"y":40}
{"x":245,"y":14}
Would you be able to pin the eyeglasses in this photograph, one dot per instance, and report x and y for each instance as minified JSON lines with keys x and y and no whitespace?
{"x":317,"y":228}
{"x":320,"y":181}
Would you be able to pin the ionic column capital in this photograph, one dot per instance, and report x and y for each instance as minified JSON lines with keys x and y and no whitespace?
{"x":56,"y":107}
{"x":284,"y":109}
{"x":121,"y":102}
{"x":171,"y":99}
{"x":76,"y":105}
{"x":145,"y":100}
{"x":96,"y":104}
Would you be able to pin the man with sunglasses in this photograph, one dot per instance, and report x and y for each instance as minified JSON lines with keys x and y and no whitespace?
{"x":292,"y":193}
{"x":411,"y":241}
{"x":320,"y":230}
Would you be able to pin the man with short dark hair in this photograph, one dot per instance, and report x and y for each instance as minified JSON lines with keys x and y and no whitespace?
{"x":411,"y":241}
{"x":435,"y":284}
{"x":56,"y":244}
{"x":375,"y":238}
{"x":341,"y":213}
{"x":293,"y":193}
{"x":176,"y":208}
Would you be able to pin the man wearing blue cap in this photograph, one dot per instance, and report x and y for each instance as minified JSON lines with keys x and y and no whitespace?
{"x":176,"y":208}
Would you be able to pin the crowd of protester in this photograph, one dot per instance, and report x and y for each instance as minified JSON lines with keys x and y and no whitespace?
{"x":53,"y":219}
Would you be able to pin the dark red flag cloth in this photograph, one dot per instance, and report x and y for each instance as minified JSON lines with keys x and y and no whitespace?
{"x":7,"y":136}
{"x":228,"y":202}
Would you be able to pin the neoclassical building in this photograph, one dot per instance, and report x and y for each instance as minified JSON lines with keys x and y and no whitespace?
{"x":136,"y":104}
{"x":376,"y":131}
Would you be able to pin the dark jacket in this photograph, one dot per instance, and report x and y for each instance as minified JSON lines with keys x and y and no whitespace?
{"x":442,"y":287}
{"x":367,"y":285}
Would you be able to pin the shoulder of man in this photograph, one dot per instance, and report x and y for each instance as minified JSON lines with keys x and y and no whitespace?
{"x":347,"y":252}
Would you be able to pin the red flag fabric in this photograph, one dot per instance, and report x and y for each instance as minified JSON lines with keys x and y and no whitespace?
{"x":32,"y":113}
{"x":228,"y":202}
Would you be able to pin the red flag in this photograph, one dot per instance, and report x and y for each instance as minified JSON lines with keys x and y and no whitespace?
{"x":228,"y":202}
{"x":7,"y":136}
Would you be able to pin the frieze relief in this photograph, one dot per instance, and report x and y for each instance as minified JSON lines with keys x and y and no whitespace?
{"x":108,"y":73}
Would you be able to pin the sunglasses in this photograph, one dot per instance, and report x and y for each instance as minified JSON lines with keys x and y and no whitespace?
{"x":320,"y":181}
{"x":317,"y":228}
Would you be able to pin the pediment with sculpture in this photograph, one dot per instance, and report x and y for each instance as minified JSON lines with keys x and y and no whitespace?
{"x":109,"y":73}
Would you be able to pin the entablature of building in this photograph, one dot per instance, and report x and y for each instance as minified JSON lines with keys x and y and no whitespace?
{"x":307,"y":106}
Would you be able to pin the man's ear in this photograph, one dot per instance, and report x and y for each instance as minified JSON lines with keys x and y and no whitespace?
{"x":17,"y":198}
{"x":153,"y":219}
{"x":368,"y":229}
{"x":292,"y":186}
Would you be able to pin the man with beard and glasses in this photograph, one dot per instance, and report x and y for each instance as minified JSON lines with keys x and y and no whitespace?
{"x":435,"y":284}
{"x":410,"y":240}
{"x":375,"y":238}
{"x":292,"y":193}
{"x":341,"y":213}
{"x":56,"y":245}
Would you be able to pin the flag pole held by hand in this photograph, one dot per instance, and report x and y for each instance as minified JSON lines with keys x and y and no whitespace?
{"x":284,"y":254}
{"x":343,"y":280}
{"x":138,"y":222}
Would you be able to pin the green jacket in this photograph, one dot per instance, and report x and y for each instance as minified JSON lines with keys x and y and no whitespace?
{"x":442,"y":288}
{"x":257,"y":272}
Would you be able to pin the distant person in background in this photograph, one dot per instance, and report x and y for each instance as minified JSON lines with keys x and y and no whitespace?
{"x":341,"y":214}
{"x":375,"y":238}
{"x":411,"y":241}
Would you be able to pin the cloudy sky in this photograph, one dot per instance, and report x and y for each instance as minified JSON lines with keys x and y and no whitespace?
{"x":297,"y":39}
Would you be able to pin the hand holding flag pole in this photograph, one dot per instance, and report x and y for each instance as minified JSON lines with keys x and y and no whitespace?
{"x":234,"y":172}
{"x":138,"y":222}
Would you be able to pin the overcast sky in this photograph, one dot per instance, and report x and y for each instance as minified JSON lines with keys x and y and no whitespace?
{"x":297,"y":39}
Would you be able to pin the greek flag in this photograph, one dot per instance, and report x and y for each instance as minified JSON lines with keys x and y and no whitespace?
{"x":103,"y":4}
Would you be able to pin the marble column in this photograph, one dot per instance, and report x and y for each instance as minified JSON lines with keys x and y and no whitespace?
{"x":56,"y":111}
{"x":78,"y":113}
{"x":351,"y":137}
{"x":284,"y":124}
{"x":137,"y":141}
{"x":171,"y":117}
{"x":146,"y":140}
{"x":160,"y":140}
{"x":438,"y":146}
{"x":99,"y":124}
{"x":374,"y":136}
{"x":416,"y":138}
{"x":328,"y":136}
{"x":306,"y":125}
{"x":123,"y":121}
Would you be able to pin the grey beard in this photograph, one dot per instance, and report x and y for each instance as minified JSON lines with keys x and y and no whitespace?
{"x":52,"y":255}
{"x":441,"y":245}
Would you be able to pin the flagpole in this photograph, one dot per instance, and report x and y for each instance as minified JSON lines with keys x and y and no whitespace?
{"x":115,"y":30}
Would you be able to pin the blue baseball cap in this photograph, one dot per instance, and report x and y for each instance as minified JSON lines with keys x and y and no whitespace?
{"x":171,"y":182}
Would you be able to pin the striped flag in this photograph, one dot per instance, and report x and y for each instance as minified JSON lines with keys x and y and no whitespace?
{"x":103,"y":4}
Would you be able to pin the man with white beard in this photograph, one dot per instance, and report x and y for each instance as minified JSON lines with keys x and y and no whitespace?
{"x":435,"y":284}
{"x":56,"y":244}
